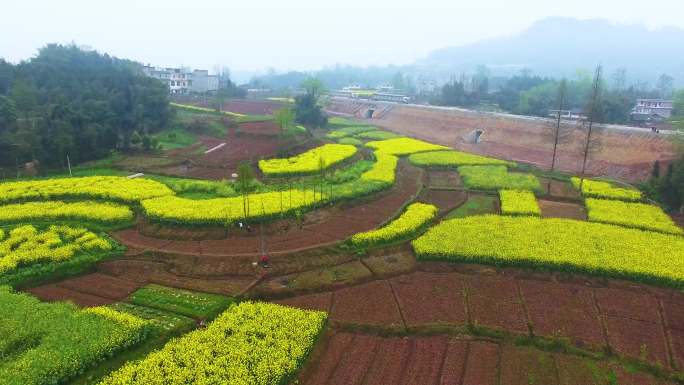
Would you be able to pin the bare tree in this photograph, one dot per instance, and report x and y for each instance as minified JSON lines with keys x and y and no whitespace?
{"x":593,"y":113}
{"x":619,"y":79}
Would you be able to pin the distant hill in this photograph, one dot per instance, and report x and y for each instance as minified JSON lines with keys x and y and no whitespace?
{"x":560,"y":46}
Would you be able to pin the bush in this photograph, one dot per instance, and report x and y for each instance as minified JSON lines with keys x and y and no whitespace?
{"x":454,"y":159}
{"x":637,"y":215}
{"x":411,"y":221}
{"x":251,"y":343}
{"x":600,"y":189}
{"x":560,"y":244}
{"x":403,"y":146}
{"x":515,"y":202}
{"x":497,"y":178}
{"x":309,"y":162}
{"x":43,"y":343}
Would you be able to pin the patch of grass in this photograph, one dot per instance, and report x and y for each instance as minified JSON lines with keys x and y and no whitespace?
{"x":377,"y":135}
{"x":184,"y":302}
{"x":352,"y":141}
{"x":176,"y":137}
{"x":337,"y":121}
{"x":475,"y":205}
{"x":253,"y":118}
{"x":160,"y":320}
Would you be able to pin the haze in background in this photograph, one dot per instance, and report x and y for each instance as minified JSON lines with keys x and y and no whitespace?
{"x":297,"y":34}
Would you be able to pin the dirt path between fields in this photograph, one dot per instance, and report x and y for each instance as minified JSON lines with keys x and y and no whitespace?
{"x":332,"y":229}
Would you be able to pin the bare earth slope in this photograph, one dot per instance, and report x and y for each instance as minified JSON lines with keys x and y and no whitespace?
{"x":622,"y":152}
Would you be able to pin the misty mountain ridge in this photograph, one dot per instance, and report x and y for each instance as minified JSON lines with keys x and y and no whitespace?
{"x":560,"y":46}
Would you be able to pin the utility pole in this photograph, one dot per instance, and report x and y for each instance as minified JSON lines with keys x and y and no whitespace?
{"x":596,"y":89}
{"x":561,"y":103}
{"x":69,"y":165}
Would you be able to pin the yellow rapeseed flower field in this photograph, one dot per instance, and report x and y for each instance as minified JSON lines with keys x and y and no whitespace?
{"x":415,"y":217}
{"x":601,"y":189}
{"x":93,"y":187}
{"x":56,"y":210}
{"x":27,"y":245}
{"x":249,"y":344}
{"x":308,"y":162}
{"x":563,"y":244}
{"x":518,"y":202}
{"x":637,"y":215}
{"x":403,"y":146}
{"x":454,"y":159}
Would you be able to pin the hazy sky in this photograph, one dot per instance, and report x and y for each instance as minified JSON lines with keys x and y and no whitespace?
{"x":291,"y":34}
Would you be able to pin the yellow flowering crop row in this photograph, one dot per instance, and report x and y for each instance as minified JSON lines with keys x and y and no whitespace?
{"x":97,"y":187}
{"x":600,"y":189}
{"x":59,"y":341}
{"x":204,"y":109}
{"x":518,"y":202}
{"x":637,"y":215}
{"x":454,"y":159}
{"x":403,"y":146}
{"x":308,"y":162}
{"x":497,"y":178}
{"x":416,"y":216}
{"x":562,"y":244}
{"x":383,"y":170}
{"x":222,"y":211}
{"x":55,"y":210}
{"x":27,"y":245}
{"x":249,"y":344}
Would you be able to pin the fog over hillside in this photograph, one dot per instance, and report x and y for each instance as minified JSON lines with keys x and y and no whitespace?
{"x":560,"y":46}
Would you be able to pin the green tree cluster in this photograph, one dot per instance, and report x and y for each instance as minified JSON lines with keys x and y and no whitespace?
{"x":67,"y":100}
{"x":308,"y":111}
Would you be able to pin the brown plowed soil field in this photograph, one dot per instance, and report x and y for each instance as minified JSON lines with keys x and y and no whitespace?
{"x":626,"y":154}
{"x":359,"y":359}
{"x":445,"y":200}
{"x":252,"y":142}
{"x":253,"y":107}
{"x":328,"y":228}
{"x":588,"y":313}
{"x":555,"y":209}
{"x":267,"y":128}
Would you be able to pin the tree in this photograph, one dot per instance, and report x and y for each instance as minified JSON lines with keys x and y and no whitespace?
{"x":244,"y":181}
{"x":284,"y":117}
{"x":678,"y":104}
{"x":665,"y":86}
{"x":480,"y":81}
{"x":136,"y":139}
{"x":592,"y":115}
{"x":619,"y":79}
{"x":307,"y":109}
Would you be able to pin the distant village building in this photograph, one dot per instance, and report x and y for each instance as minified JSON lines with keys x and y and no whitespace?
{"x":182,"y":81}
{"x":573,"y":114}
{"x":651,"y":111}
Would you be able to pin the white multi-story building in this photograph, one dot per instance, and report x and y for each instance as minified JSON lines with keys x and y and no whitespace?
{"x":182,"y":81}
{"x":652,"y":110}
